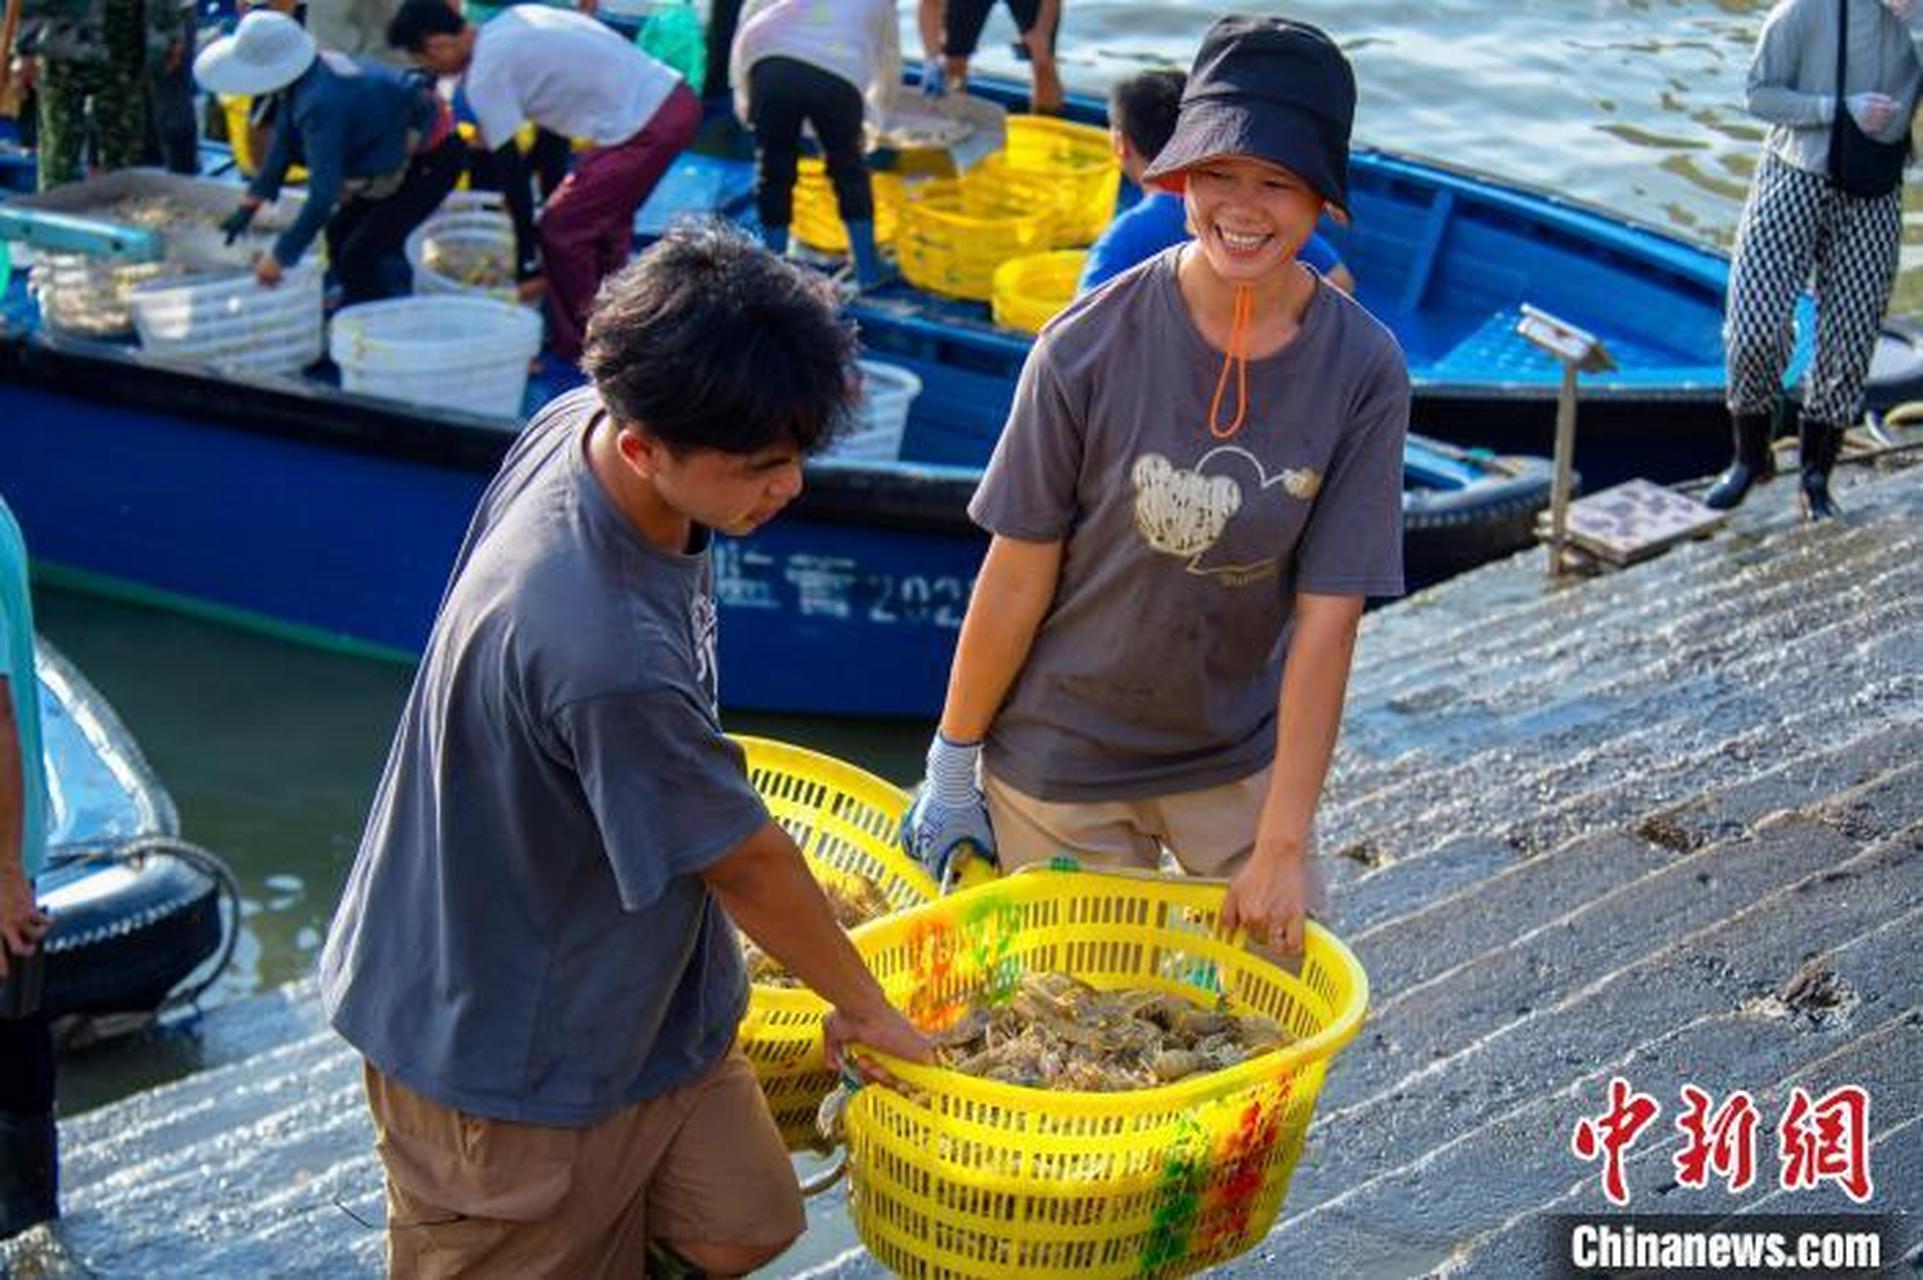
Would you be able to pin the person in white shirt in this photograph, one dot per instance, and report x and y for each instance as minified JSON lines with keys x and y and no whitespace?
{"x":812,"y":61}
{"x":575,"y":77}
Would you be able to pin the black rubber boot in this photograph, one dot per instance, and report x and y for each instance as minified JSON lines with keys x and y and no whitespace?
{"x":1818,"y":445}
{"x":29,"y":1181}
{"x":1754,"y":463}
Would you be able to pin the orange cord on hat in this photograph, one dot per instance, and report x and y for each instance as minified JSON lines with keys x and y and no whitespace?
{"x":1241,"y":321}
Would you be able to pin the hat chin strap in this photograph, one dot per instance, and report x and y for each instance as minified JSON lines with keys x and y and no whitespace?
{"x":1241,"y":327}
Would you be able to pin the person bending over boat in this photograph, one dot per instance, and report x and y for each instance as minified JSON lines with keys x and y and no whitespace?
{"x":813,"y":61}
{"x":1837,"y":82}
{"x":534,"y":950}
{"x":575,"y":77}
{"x":379,"y":146}
{"x":29,"y":1144}
{"x":1198,"y":486}
{"x":1141,"y":118}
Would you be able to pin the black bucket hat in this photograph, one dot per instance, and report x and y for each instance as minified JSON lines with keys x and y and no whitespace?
{"x":1272,"y":89}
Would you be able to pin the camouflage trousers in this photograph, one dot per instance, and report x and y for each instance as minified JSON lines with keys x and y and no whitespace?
{"x":106,"y":101}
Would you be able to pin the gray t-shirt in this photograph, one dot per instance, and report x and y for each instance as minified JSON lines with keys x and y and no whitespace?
{"x":524,"y":934}
{"x":1158,"y":666}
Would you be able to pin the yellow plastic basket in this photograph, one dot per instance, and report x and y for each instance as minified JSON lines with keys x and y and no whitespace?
{"x":1031,"y":291}
{"x":978,"y":1179}
{"x":817,"y":218}
{"x":845,"y":820}
{"x":954,"y":234}
{"x":1079,"y":163}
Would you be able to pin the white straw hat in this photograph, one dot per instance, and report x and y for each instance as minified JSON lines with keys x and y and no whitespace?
{"x":267,"y":52}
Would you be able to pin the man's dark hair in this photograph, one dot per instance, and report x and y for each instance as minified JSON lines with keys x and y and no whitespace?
{"x":708,"y":341}
{"x":416,"y":20}
{"x":1143,"y":108}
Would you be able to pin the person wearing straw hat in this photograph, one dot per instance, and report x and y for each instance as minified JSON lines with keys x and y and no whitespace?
{"x":1199,"y":485}
{"x":379,"y":146}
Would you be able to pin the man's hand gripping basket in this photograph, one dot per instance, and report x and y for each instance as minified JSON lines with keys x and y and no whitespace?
{"x":845,"y":821}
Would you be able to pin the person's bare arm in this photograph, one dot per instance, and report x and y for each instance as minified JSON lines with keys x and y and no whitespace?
{"x":1269,"y":896}
{"x":1011,"y":597}
{"x":765,"y":887}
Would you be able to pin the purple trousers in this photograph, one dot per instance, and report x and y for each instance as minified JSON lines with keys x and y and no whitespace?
{"x":588,"y":224}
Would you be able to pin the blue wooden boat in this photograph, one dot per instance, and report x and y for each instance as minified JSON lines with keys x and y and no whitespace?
{"x":135,"y":910}
{"x":290,"y":505}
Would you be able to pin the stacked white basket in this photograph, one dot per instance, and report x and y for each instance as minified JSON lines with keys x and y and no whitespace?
{"x":232,"y":322}
{"x":471,"y":219}
{"x":887,"y":391}
{"x":464,"y":353}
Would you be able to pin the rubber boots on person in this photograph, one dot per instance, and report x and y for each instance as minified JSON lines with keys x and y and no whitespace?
{"x":861,"y":246}
{"x":1818,"y":443}
{"x":29,"y":1181}
{"x":1753,"y":463}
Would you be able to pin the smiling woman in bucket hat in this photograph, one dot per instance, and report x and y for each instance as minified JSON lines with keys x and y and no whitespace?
{"x":1198,"y":487}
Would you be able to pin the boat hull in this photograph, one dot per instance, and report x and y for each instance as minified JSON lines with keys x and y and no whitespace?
{"x":335,"y":519}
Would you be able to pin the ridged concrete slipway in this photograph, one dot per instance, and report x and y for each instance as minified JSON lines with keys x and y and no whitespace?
{"x":1663,"y":825}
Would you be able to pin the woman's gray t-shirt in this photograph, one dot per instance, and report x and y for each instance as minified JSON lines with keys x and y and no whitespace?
{"x":525,"y":934}
{"x":1158,"y":666}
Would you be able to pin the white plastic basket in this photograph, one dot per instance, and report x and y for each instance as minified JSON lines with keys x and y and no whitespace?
{"x":887,"y":392}
{"x":231,"y":322}
{"x":476,"y":221}
{"x":454,"y":352}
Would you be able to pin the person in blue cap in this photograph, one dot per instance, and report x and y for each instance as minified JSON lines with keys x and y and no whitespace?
{"x":1199,"y":485}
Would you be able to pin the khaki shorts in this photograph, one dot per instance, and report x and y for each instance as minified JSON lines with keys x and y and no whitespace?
{"x":475,"y":1197}
{"x":1209,"y":832}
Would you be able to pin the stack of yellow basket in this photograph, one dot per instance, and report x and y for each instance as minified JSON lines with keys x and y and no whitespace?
{"x":962,"y":1178}
{"x":846,"y":821}
{"x":1053,"y":187}
{"x":817,"y":218}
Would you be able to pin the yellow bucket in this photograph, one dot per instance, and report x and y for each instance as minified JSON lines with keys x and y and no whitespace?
{"x":974,"y":1178}
{"x":1078,"y":161}
{"x":846,"y":820}
{"x":1031,"y":291}
{"x":817,"y":218}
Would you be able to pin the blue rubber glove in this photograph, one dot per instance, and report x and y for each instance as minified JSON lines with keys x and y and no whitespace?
{"x":949,"y":817}
{"x":934,"y":78}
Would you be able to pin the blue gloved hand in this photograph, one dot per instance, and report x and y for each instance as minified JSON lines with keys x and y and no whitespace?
{"x":934,"y":78}
{"x":949,"y":817}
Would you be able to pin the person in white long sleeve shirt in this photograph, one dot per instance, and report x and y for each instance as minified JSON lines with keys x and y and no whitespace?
{"x":1807,"y":218}
{"x":815,"y":61}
